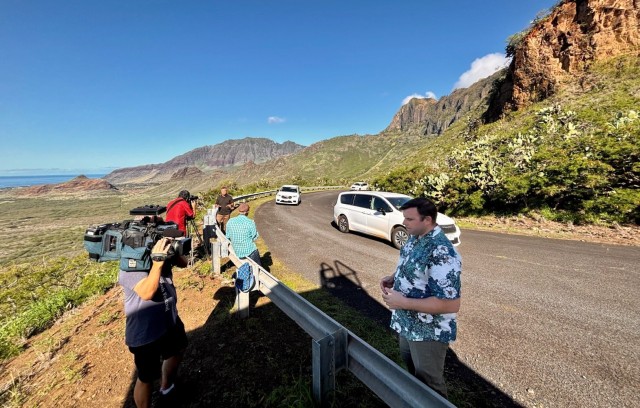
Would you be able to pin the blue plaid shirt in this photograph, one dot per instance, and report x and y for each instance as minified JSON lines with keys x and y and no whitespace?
{"x":242,"y":231}
{"x":428,"y":266}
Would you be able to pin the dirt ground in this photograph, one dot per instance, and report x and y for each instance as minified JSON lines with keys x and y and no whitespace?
{"x":82,"y":360}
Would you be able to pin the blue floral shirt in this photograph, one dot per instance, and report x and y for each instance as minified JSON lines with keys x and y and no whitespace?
{"x":428,"y":266}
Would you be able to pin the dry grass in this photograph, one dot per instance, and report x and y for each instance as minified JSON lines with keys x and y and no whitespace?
{"x":34,"y":228}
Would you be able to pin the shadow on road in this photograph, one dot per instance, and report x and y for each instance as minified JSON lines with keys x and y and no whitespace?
{"x":343,"y":283}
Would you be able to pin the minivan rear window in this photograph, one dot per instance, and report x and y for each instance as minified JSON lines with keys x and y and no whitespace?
{"x":362,"y":200}
{"x":346,"y":199}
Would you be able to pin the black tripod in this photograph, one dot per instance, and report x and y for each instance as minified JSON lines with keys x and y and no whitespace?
{"x":193,"y":228}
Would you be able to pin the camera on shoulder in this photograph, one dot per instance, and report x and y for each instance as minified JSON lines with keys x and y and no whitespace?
{"x":131,"y":241}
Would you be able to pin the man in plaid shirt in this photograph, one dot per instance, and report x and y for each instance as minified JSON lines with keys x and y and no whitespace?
{"x":242,"y":233}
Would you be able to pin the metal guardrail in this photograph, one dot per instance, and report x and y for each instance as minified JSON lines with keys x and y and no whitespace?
{"x":333,"y":346}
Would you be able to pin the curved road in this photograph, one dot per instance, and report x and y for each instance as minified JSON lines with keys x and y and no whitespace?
{"x":547,"y":322}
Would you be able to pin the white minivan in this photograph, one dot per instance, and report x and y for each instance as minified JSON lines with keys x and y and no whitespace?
{"x":377,"y":213}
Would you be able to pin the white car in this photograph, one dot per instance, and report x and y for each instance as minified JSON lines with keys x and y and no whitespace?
{"x":377,"y":213}
{"x":359,"y":185}
{"x":289,"y":194}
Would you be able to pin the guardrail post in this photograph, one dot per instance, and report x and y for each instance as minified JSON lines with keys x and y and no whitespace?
{"x":329,"y":355}
{"x":242,"y":298}
{"x":242,"y":304}
{"x":215,"y":257}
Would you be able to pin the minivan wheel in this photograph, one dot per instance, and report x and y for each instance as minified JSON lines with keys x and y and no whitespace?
{"x":343,"y":224}
{"x":399,"y":237}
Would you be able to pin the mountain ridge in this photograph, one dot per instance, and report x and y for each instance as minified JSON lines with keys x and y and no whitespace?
{"x":229,"y":153}
{"x":431,"y":117}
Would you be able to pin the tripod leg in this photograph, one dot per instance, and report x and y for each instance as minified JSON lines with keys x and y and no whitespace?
{"x":192,"y":223}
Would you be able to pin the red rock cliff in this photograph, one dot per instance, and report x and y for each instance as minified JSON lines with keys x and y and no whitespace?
{"x":574,"y":35}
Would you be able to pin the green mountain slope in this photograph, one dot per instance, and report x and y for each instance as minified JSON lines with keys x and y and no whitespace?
{"x":339,"y":160}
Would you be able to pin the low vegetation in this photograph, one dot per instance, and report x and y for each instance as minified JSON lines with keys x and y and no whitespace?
{"x":33,"y":296}
{"x":568,"y":159}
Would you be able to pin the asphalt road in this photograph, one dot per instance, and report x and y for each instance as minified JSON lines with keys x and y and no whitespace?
{"x":546,"y":322}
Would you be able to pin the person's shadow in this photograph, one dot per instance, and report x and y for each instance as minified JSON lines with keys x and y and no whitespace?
{"x":343,"y":283}
{"x":267,"y":261}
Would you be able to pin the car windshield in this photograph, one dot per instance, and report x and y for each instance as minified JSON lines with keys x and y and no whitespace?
{"x":288,"y":189}
{"x":398,"y":201}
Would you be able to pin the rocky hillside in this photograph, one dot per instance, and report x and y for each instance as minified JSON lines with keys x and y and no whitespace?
{"x":432,"y":117}
{"x":77,"y":185}
{"x":563,"y":45}
{"x":223,"y":155}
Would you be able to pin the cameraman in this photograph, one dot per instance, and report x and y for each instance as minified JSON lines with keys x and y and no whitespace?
{"x":154,"y":332}
{"x":179,"y":210}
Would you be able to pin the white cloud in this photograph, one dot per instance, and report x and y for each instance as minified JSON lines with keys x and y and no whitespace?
{"x":427,"y":94}
{"x":482,"y":68}
{"x":274,"y":120}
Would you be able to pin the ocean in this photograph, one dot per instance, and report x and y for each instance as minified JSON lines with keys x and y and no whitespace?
{"x":25,"y":181}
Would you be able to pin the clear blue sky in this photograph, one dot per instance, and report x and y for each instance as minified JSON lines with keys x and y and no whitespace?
{"x":90,"y":86}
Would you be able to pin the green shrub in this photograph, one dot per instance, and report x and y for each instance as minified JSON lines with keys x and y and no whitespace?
{"x":620,"y":206}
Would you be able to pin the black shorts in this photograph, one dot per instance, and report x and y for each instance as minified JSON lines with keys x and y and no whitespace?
{"x":149,"y":358}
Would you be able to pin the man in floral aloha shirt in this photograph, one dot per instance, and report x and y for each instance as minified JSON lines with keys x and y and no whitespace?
{"x":424,"y":294}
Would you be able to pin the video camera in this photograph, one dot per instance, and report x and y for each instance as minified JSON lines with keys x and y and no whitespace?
{"x":131,"y":241}
{"x":186,"y":196}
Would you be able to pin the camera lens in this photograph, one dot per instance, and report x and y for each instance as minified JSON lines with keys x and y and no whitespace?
{"x":171,"y":251}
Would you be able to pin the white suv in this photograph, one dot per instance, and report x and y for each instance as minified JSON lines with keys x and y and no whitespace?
{"x":289,"y":194}
{"x":377,"y":213}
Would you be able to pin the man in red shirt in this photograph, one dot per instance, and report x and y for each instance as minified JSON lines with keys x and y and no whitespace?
{"x":179,"y":210}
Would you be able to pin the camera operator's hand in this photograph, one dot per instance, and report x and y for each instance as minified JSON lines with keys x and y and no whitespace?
{"x":160,"y":249}
{"x":148,"y":286}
